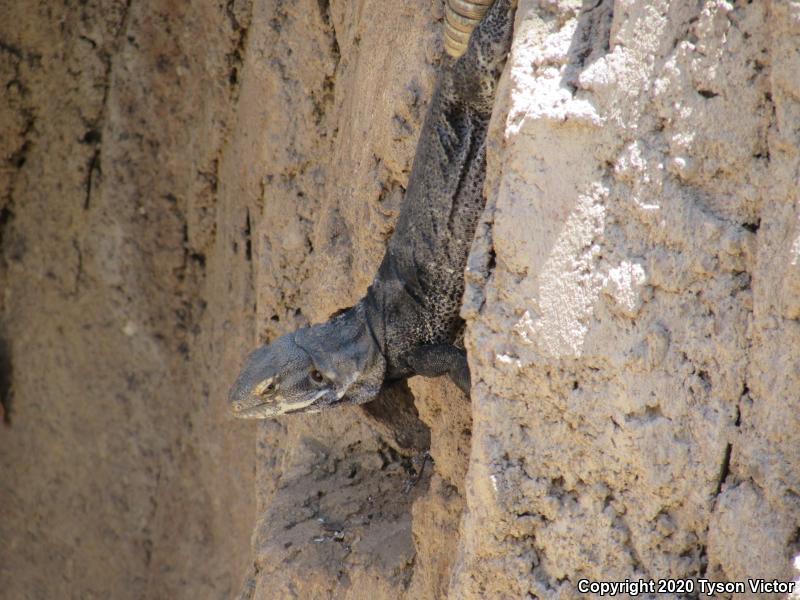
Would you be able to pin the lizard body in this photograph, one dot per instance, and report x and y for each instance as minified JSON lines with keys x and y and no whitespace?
{"x":408,"y":321}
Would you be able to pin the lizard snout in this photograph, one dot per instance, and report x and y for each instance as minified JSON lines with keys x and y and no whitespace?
{"x":242,"y":399}
{"x":239,"y":406}
{"x":252,"y":408}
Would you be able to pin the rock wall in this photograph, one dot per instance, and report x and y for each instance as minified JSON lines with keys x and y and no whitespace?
{"x":339,"y":515}
{"x":635,"y":345}
{"x":121,"y":475}
{"x":183,"y":181}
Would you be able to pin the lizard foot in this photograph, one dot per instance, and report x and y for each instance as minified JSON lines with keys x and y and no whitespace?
{"x":442,"y":359}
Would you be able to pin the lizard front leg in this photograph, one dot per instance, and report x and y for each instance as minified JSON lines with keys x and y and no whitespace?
{"x":435,"y":360}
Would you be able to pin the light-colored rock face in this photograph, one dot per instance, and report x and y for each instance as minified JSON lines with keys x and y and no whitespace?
{"x":227,"y":174}
{"x":635,"y":353}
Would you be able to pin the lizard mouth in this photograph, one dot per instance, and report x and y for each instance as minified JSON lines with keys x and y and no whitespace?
{"x":308,"y":410}
{"x":262,"y":411}
{"x":267,"y":410}
{"x":259,"y":411}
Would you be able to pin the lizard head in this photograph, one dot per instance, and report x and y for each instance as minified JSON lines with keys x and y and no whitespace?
{"x":309,"y":370}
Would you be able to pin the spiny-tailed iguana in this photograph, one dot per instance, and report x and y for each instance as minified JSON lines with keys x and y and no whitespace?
{"x":408,"y":321}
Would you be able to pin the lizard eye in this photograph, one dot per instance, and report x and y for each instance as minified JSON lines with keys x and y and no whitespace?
{"x":269,"y":388}
{"x":316,"y":376}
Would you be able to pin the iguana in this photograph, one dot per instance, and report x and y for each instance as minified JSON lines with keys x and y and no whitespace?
{"x":408,"y":321}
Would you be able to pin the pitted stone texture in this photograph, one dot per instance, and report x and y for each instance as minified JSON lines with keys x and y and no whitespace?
{"x":634,"y":348}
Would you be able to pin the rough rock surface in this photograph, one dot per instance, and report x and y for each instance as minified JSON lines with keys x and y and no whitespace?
{"x":181,"y":181}
{"x":636,"y":346}
{"x":122,"y":476}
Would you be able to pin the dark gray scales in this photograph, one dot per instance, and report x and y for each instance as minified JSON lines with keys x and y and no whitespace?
{"x":408,"y":322}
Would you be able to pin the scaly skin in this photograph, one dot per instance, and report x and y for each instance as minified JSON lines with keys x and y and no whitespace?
{"x":408,"y":321}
